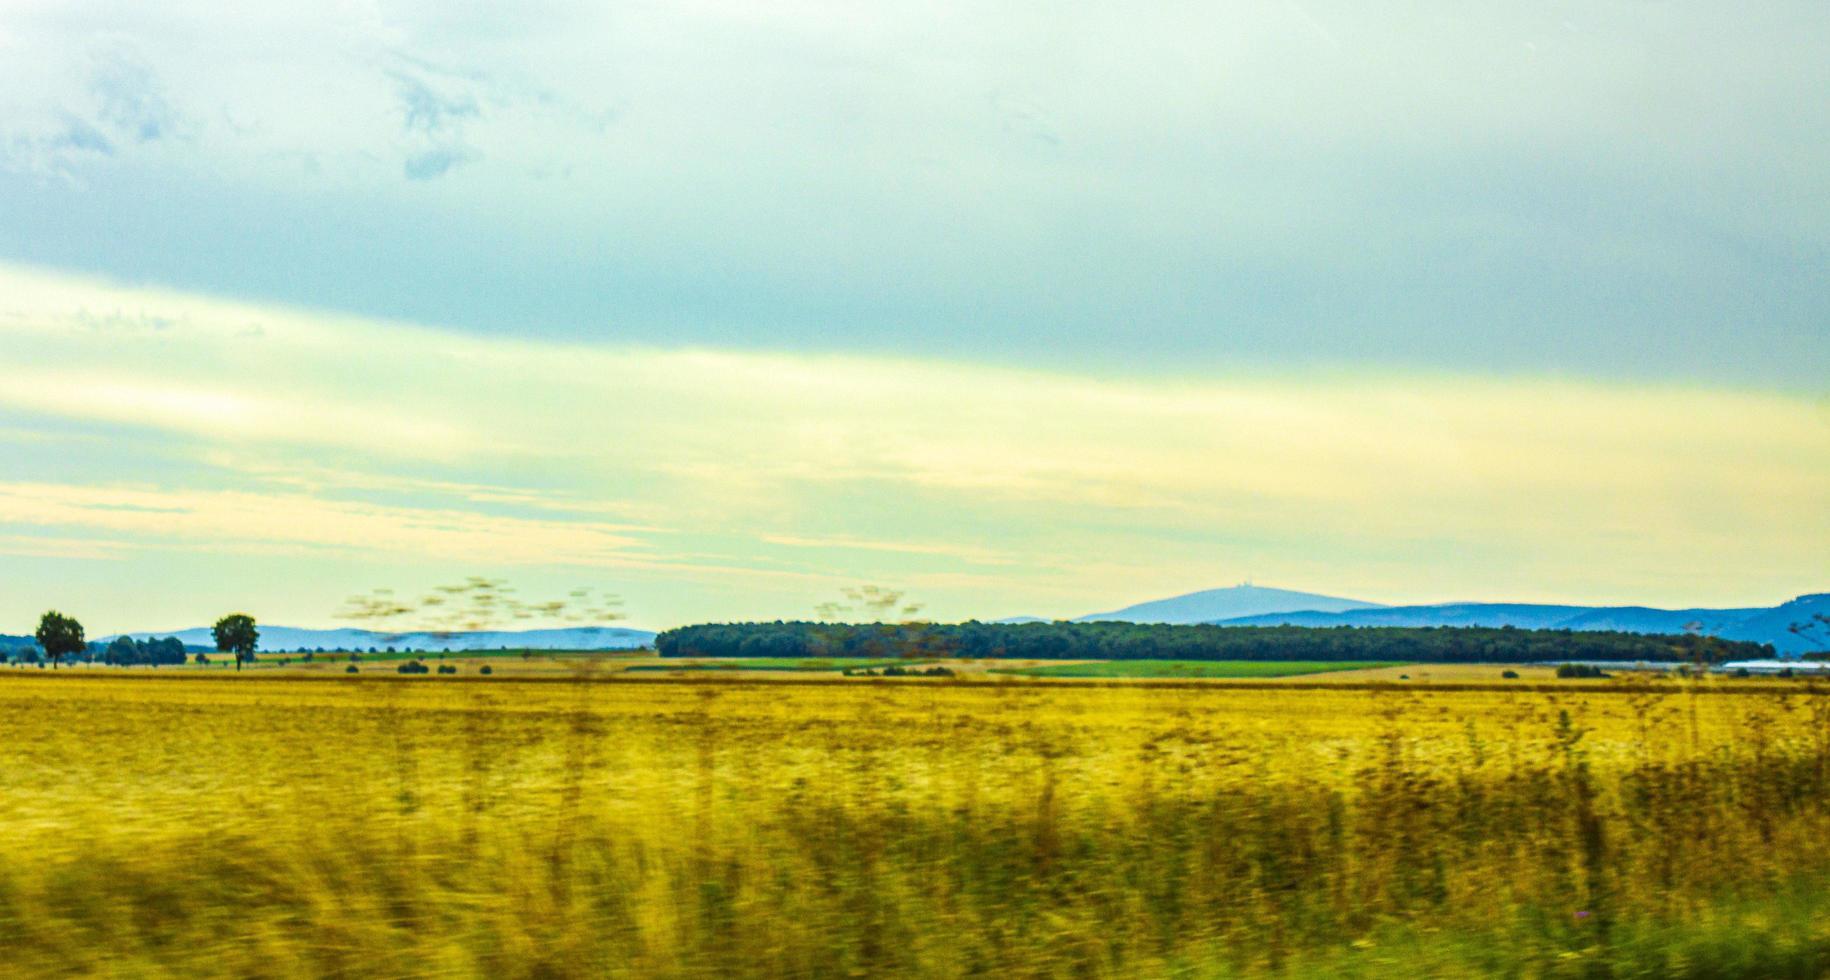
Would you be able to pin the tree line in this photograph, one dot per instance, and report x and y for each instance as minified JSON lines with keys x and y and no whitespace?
{"x":1156,"y":641}
{"x":60,"y":639}
{"x":475,"y":603}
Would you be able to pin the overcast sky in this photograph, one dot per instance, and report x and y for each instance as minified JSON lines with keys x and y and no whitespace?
{"x":1030,"y":308}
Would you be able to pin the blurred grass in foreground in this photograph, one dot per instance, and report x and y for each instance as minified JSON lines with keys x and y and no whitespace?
{"x":384,"y":828}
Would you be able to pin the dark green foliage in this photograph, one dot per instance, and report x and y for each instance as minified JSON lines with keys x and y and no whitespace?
{"x":351,"y":669}
{"x":1140,"y":641}
{"x":235,"y":633}
{"x":1579,"y":671}
{"x":897,"y":671}
{"x":61,"y":636}
{"x":446,"y":669}
{"x":125,"y":651}
{"x":485,"y":669}
{"x":1509,"y":675}
{"x":19,"y":649}
{"x":413,"y":667}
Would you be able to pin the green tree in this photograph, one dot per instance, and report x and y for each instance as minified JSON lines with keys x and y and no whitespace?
{"x":60,"y":636}
{"x":235,"y":633}
{"x":121,"y":652}
{"x":872,"y":608}
{"x":167,"y":651}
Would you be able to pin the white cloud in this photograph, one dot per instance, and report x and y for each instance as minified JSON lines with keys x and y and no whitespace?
{"x":1621,"y":189}
{"x":408,"y":444}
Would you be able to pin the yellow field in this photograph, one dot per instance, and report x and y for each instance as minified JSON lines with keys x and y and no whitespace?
{"x":603,"y":665}
{"x":203,"y":824}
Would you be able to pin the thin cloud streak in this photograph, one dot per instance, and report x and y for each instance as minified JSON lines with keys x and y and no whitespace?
{"x":280,"y":432}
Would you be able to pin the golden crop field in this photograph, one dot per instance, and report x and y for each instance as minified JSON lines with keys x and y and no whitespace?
{"x":273,"y":825}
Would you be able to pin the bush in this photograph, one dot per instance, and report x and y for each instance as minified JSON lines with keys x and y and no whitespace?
{"x":446,"y":669}
{"x":1509,"y":675}
{"x":1579,"y":671}
{"x":413,"y":667}
{"x":485,"y":670}
{"x":351,"y":669}
{"x":896,"y":670}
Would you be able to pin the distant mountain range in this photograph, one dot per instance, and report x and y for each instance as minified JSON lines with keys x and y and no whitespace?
{"x":1794,"y":628}
{"x":1797,"y":627}
{"x":1217,"y":604}
{"x":280,"y":639}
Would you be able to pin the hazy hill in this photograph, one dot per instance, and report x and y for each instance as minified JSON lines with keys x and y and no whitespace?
{"x":1760,"y":625}
{"x":1518,"y":615}
{"x":1642,"y":619}
{"x":1217,"y":604}
{"x":1776,"y":626}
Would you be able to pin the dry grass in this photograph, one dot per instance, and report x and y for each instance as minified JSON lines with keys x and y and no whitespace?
{"x":278,"y":825}
{"x":602,"y":664}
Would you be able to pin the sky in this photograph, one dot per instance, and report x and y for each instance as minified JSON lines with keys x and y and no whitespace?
{"x":1021,"y":308}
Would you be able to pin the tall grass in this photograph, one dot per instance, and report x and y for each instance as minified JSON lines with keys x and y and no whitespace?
{"x":718,"y":829}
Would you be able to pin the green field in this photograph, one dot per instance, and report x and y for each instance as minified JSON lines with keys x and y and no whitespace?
{"x":783,"y":663}
{"x":276,"y":659}
{"x":1196,"y":668}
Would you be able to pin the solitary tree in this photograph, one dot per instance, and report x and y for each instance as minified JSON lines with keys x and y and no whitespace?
{"x":60,"y":635}
{"x":235,"y":633}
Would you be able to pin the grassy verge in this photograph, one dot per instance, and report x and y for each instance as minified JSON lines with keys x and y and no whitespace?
{"x":397,"y":656}
{"x":810,"y":828}
{"x":782,"y":663}
{"x":1231,"y":669}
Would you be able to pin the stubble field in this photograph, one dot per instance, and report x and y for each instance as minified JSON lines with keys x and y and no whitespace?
{"x":386,"y":826}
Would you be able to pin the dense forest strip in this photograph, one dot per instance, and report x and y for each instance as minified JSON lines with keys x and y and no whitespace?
{"x":1148,"y":641}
